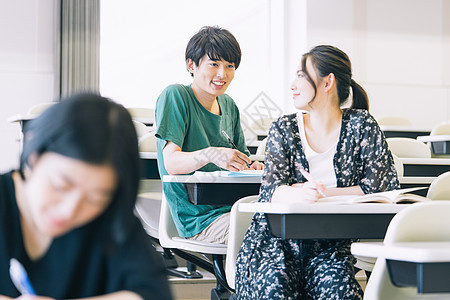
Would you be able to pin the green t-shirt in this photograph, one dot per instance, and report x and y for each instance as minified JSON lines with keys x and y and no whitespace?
{"x":181,"y":119}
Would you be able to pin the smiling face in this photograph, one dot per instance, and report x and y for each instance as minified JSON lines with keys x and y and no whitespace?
{"x":64,"y":193}
{"x":302,"y":90}
{"x":211,"y":77}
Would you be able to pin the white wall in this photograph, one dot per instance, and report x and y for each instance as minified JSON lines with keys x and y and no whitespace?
{"x":26,"y":66}
{"x":399,"y":50}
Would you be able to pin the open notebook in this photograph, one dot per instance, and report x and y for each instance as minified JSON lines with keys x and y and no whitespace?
{"x":400,"y":196}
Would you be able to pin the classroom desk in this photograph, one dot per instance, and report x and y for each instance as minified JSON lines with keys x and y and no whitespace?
{"x":425,"y":167}
{"x":425,"y":265}
{"x":440,"y":144}
{"x":404,"y":131}
{"x":326,"y":221}
{"x":149,"y":165}
{"x":222,"y":190}
{"x":22,"y":119}
{"x":216,"y":190}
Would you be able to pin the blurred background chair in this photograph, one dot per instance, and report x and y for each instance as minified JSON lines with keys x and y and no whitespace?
{"x":428,"y":221}
{"x":394,"y":121}
{"x":143,"y":114}
{"x":440,"y":188}
{"x":441,"y":129}
{"x":37,"y":109}
{"x":147,"y":142}
{"x":440,"y":149}
{"x":141,"y":128}
{"x":262,"y":124}
{"x":408,"y":147}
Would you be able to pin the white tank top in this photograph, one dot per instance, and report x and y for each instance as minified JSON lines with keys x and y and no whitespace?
{"x":321,"y":165}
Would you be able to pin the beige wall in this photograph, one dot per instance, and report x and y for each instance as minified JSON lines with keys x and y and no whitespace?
{"x":399,"y":49}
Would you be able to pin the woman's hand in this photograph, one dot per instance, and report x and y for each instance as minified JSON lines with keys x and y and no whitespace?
{"x":298,"y":193}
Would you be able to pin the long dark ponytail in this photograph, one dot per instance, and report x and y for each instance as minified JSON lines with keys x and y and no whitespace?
{"x":327,"y":59}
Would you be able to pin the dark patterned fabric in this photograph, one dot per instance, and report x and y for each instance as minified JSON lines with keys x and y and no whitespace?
{"x":273,"y":268}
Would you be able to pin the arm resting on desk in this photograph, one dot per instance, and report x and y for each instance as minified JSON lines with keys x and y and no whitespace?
{"x":179,"y":162}
{"x":306,"y":193}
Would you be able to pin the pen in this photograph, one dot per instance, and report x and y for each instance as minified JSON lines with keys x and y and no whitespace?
{"x":311,"y":179}
{"x":232,"y":144}
{"x":20,"y":278}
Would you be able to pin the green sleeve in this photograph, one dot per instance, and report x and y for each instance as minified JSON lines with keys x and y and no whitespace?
{"x":171,"y":115}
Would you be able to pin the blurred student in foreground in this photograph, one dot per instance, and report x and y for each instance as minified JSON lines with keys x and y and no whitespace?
{"x":67,"y":214}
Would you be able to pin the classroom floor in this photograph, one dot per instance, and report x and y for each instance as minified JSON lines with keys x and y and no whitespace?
{"x":200,"y":289}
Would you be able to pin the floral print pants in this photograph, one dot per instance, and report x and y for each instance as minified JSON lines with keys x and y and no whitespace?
{"x":273,"y":268}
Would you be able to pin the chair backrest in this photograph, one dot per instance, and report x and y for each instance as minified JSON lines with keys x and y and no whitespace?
{"x":426,"y":221}
{"x":148,"y":210}
{"x":261,"y":150}
{"x":408,"y":147}
{"x":141,"y":128}
{"x":37,"y":109}
{"x":398,"y":165}
{"x":262,"y":123}
{"x":440,"y":187}
{"x":239,"y":223}
{"x":147,"y":142}
{"x":394,"y":121}
{"x":441,"y":129}
{"x":169,"y":237}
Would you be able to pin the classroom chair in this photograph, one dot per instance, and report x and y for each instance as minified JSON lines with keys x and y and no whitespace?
{"x":239,"y":223}
{"x":147,"y":142}
{"x":142,"y":114}
{"x":394,"y":121}
{"x":426,"y":221}
{"x":37,"y":109}
{"x":148,"y":210}
{"x":366,"y":263}
{"x":440,"y":187}
{"x":408,"y":147}
{"x":262,"y":123}
{"x":441,"y":129}
{"x":141,"y":128}
{"x":261,"y":150}
{"x":170,"y":239}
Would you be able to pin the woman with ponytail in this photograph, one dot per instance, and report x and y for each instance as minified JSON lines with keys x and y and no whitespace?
{"x":345,"y":151}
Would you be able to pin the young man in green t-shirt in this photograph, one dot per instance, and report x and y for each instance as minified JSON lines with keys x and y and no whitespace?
{"x":190,"y":120}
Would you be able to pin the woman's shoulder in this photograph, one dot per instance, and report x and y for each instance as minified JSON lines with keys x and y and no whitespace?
{"x":358,"y":116}
{"x":286,"y":120}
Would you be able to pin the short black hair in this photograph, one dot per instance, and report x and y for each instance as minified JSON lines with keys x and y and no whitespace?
{"x":95,"y":130}
{"x":217,"y":43}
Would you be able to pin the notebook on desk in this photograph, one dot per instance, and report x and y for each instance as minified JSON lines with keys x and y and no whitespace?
{"x":400,"y":196}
